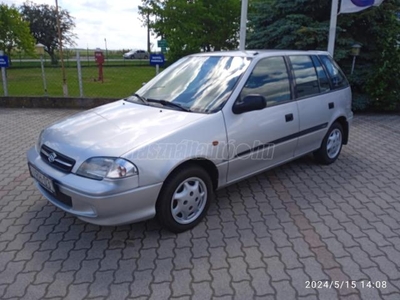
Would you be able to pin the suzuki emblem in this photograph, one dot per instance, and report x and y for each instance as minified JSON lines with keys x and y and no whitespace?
{"x":52,"y":157}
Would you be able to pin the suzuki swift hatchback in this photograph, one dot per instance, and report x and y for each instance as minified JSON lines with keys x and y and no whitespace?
{"x":207,"y":121}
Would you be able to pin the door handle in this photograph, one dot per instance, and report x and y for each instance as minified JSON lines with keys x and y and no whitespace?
{"x":331,"y":105}
{"x":289,"y":117}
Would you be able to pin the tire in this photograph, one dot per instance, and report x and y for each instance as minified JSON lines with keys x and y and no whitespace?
{"x":178,"y":215}
{"x":331,"y":145}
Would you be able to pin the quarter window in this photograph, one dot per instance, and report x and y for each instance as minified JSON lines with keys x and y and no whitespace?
{"x":306,"y":79}
{"x":336,"y":75}
{"x":269,"y":79}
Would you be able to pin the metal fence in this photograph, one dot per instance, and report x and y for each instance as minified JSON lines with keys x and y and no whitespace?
{"x":38,"y":77}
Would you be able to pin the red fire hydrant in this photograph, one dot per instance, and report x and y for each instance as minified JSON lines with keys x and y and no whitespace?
{"x":99,"y":58}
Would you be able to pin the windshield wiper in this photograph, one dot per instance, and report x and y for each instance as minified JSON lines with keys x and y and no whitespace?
{"x":141,"y":98}
{"x":167,"y":103}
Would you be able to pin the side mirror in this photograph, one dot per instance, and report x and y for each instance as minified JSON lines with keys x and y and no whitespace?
{"x":249,"y":103}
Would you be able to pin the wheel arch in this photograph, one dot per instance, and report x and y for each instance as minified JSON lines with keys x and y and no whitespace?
{"x":345,"y":125}
{"x":204,"y":163}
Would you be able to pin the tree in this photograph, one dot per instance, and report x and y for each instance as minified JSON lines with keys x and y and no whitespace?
{"x":42,"y":20}
{"x":194,"y":25}
{"x":299,"y":24}
{"x":14,"y":31}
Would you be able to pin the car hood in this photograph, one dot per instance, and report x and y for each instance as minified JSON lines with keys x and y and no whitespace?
{"x":114,"y":129}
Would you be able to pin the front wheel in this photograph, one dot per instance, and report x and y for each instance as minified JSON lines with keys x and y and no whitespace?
{"x":331,"y":145}
{"x":184,"y":198}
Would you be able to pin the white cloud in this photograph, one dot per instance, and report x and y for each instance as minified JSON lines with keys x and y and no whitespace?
{"x":117,"y":21}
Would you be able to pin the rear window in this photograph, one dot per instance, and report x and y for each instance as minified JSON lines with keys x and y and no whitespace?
{"x":337,"y":78}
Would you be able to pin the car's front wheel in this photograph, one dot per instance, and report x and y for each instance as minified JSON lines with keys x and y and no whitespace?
{"x":184,"y":198}
{"x":331,"y":145}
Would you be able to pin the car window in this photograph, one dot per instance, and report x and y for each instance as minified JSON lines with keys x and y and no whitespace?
{"x":305,"y":76}
{"x":323,"y":79}
{"x":199,"y":83}
{"x":338,"y":80}
{"x":269,"y":79}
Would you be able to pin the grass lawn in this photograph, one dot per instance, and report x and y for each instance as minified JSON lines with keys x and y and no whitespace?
{"x":119,"y":81}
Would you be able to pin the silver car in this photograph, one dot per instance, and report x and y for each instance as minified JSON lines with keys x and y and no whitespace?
{"x":207,"y":121}
{"x":136,"y":54}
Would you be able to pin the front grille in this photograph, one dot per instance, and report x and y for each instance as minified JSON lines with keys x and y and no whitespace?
{"x":56,"y":159}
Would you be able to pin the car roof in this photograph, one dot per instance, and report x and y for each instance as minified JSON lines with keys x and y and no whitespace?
{"x":254,"y":53}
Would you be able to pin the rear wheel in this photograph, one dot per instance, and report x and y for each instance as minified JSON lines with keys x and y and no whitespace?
{"x":331,"y":145}
{"x":184,"y":198}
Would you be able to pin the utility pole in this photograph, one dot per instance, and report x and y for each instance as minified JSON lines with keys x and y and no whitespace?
{"x":65,"y":87}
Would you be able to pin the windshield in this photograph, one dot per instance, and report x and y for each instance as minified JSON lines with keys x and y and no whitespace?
{"x":197,"y":83}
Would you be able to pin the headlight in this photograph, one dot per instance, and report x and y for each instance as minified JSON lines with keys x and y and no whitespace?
{"x":107,"y":167}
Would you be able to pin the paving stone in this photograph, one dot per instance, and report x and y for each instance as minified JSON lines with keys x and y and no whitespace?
{"x":361,"y":257}
{"x":201,"y":269}
{"x":160,"y":291}
{"x":221,"y":283}
{"x":298,"y":280}
{"x":86,"y":273}
{"x":261,"y":239}
{"x":243,"y":290}
{"x":11,"y":272}
{"x":202,"y":290}
{"x":276,"y":269}
{"x":19,"y":286}
{"x":146,"y":260}
{"x":125,"y":270}
{"x":313,"y":268}
{"x":284,"y":290}
{"x":302,"y":248}
{"x":166,"y":249}
{"x":233,"y":247}
{"x":58,"y":288}
{"x":387,"y":267}
{"x":261,"y":282}
{"x":182,"y":259}
{"x":35,"y":292}
{"x":181,"y":283}
{"x":141,"y":283}
{"x":289,"y":258}
{"x":238,"y":269}
{"x":78,"y":291}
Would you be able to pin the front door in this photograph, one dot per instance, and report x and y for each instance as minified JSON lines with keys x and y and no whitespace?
{"x":262,"y":138}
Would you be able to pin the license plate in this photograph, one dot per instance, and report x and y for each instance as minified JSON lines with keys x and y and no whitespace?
{"x":44,"y":181}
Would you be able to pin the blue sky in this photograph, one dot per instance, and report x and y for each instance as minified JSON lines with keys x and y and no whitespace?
{"x":117,"y":21}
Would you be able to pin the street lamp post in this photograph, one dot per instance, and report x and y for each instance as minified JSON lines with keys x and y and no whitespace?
{"x":40,"y":50}
{"x":355,"y":51}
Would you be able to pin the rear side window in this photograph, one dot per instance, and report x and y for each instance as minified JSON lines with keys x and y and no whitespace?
{"x":306,"y":79}
{"x":338,"y":80}
{"x":269,"y":79}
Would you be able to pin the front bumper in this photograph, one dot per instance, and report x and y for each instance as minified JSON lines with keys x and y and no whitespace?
{"x":105,"y":202}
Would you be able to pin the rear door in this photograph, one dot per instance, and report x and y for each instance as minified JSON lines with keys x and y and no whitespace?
{"x":311,"y":87}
